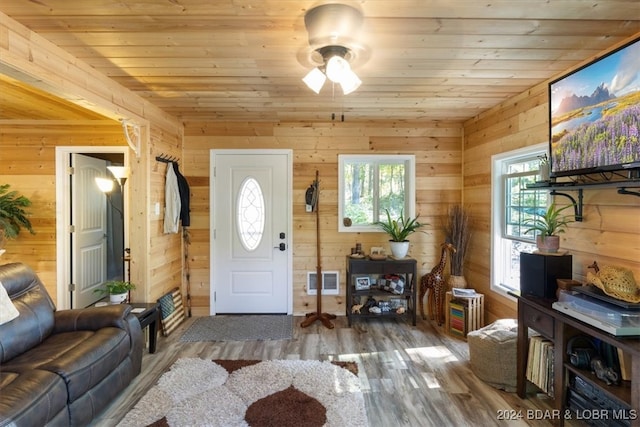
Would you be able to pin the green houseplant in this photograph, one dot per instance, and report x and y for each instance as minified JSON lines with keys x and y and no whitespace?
{"x":399,"y":230}
{"x":13,"y":216}
{"x":548,"y":225}
{"x":117,"y":290}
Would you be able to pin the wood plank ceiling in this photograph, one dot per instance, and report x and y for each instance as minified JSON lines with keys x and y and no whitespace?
{"x":243,"y":60}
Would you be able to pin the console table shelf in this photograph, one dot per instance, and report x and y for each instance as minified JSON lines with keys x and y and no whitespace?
{"x":366,"y":267}
{"x":538,"y":314}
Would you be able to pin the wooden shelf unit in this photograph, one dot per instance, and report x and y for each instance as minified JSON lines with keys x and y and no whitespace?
{"x":537,"y":313}
{"x":406,"y":267}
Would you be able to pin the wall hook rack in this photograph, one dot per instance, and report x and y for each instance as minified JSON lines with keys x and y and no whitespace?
{"x":167,"y":159}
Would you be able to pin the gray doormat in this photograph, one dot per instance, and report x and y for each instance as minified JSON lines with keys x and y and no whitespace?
{"x":240,"y":328}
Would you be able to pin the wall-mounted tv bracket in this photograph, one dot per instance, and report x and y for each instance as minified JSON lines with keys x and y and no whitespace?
{"x":577,"y":206}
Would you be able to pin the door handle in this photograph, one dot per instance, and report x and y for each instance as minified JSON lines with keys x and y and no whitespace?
{"x":281,"y":246}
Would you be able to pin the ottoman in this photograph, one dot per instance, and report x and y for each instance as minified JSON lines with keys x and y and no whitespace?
{"x":493,"y":353}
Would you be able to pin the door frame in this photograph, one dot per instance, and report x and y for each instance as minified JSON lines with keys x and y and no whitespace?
{"x":212,"y":220}
{"x":63,"y":214}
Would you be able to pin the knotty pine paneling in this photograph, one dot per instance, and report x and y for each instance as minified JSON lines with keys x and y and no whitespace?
{"x":27,"y":163}
{"x":609,"y":233}
{"x":436,"y":145}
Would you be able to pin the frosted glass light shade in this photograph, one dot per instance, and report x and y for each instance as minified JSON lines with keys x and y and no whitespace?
{"x":105,"y":185}
{"x":315,"y":80}
{"x":350,"y":82}
{"x":337,"y":67}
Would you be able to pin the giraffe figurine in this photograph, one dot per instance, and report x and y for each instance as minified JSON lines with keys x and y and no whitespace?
{"x":434,"y":282}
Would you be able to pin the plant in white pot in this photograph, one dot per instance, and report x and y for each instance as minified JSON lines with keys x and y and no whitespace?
{"x":399,"y":229}
{"x":118,"y":290}
{"x":547,"y":227}
{"x":13,"y":216}
{"x":457,"y":232}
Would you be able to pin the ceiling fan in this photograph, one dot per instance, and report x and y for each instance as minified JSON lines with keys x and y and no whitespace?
{"x":334,"y":46}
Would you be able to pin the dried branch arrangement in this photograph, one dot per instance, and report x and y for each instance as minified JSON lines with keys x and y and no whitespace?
{"x":458,"y":232}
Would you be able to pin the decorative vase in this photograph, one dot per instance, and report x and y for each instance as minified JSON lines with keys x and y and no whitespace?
{"x":544,"y":172}
{"x":118,"y":298}
{"x":548,"y":244}
{"x":456,"y":282}
{"x":399,"y":249}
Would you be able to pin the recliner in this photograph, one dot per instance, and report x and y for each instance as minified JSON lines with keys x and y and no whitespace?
{"x":62,"y":367}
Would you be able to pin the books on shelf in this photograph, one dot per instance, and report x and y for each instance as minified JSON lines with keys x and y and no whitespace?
{"x":540,"y":363}
{"x":473,"y":307}
{"x":457,"y":319}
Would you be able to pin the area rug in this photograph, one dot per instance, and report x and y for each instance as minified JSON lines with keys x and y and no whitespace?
{"x":234,"y":393}
{"x":239,"y":328}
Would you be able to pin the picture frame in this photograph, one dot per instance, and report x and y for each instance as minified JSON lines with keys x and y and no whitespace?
{"x":362,"y":283}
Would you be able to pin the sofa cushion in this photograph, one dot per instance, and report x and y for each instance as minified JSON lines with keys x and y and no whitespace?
{"x":32,"y":398}
{"x":36,"y":319}
{"x":82,"y":359}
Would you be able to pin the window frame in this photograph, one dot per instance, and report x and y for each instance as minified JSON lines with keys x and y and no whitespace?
{"x":409,"y":161}
{"x":499,"y":237}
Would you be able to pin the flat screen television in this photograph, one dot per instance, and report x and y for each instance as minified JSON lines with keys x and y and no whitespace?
{"x":594,"y":111}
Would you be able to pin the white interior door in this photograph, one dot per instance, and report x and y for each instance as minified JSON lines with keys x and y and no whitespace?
{"x":251,"y":231}
{"x":88,"y":239}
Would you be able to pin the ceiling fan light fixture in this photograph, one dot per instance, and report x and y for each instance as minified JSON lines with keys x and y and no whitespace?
{"x":336,"y":68}
{"x":333,"y":37}
{"x":315,"y":80}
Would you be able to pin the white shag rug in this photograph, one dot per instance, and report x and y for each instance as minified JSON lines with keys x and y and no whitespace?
{"x":198,"y":392}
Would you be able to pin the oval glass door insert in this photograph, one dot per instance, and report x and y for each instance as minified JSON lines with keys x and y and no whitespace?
{"x":250,"y":221}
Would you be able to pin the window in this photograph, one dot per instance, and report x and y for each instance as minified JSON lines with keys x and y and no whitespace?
{"x":369,"y":184}
{"x":251,"y":212}
{"x":512,"y":205}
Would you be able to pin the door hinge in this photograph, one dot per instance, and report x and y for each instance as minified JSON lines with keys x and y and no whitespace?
{"x":72,"y":229}
{"x":72,"y":287}
{"x":71,"y":170}
{"x":215,"y":295}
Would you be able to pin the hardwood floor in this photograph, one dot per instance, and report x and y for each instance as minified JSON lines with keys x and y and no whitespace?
{"x":411,"y":376}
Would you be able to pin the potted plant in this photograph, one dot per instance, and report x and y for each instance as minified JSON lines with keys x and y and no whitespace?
{"x":13,"y":216}
{"x":457,"y":233}
{"x":399,"y":229}
{"x":548,"y":225}
{"x":118,"y":290}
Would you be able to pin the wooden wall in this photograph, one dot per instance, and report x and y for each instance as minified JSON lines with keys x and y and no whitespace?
{"x":27,"y":160}
{"x":437,"y":146}
{"x":609,"y":233}
{"x":27,"y":163}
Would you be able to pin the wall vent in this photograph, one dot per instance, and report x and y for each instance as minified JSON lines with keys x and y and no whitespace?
{"x":330,"y":283}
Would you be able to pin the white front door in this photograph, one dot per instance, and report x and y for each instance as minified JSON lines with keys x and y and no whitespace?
{"x":251,"y":231}
{"x":89,"y":238}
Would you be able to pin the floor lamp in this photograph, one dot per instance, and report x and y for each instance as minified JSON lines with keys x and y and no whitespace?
{"x":120,"y":174}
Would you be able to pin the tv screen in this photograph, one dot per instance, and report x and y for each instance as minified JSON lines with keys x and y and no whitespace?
{"x":595,"y":115}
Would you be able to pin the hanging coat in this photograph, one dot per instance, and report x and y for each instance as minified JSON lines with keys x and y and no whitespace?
{"x":171,"y":202}
{"x":183,"y":186}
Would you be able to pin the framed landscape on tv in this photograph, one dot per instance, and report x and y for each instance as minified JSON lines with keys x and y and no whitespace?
{"x":594,"y":118}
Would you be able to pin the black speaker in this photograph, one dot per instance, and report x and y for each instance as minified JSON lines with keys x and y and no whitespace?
{"x":538,"y":273}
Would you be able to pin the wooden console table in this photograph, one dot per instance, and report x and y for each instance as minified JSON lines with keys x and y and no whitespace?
{"x":538,"y":314}
{"x":357,"y":267}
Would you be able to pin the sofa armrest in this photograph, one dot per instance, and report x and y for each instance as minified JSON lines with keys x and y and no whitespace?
{"x":92,"y":318}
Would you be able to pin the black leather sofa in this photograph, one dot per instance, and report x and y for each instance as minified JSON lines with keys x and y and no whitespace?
{"x":64,"y":367}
